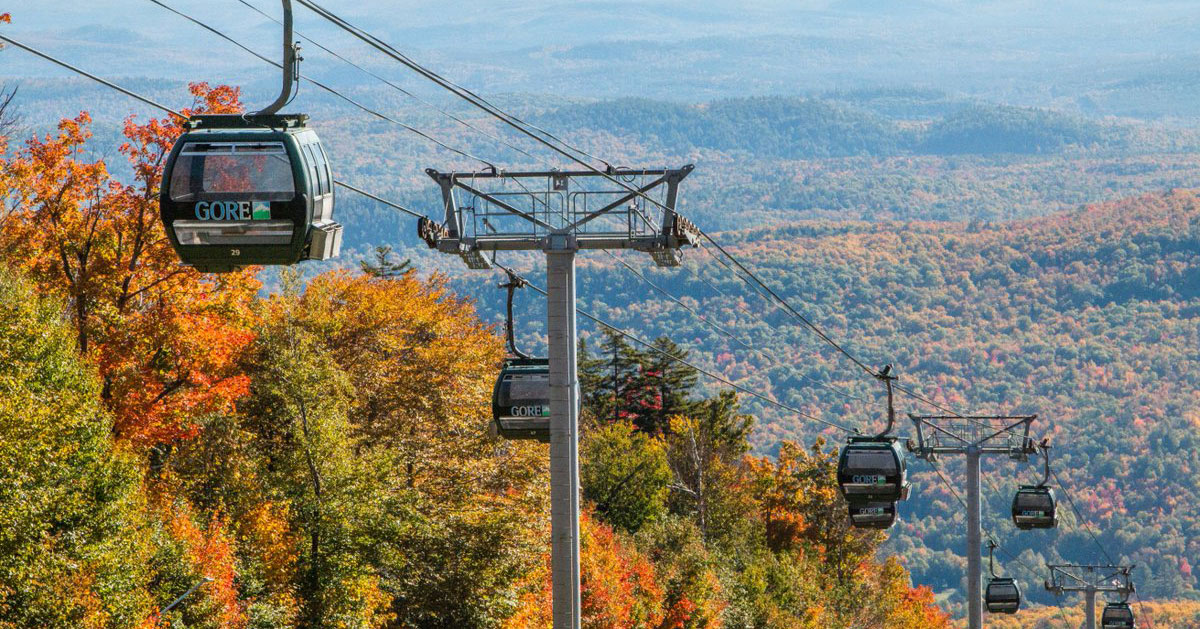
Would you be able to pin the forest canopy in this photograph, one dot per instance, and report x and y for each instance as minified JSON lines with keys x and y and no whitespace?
{"x":317,"y":456}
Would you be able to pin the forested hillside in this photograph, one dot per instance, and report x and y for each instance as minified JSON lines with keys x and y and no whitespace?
{"x":817,"y":128}
{"x":319,"y":457}
{"x":314,"y":441}
{"x":1088,"y":318}
{"x":900,"y":155}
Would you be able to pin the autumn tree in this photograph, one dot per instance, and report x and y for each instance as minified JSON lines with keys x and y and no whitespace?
{"x":618,"y":584}
{"x":615,"y":383}
{"x":8,"y":116}
{"x":72,"y":546}
{"x":619,"y":587}
{"x":693,"y":595}
{"x":383,"y":264}
{"x":800,"y":503}
{"x":298,"y":414}
{"x":775,"y":591}
{"x":672,"y":381}
{"x":192,"y":549}
{"x":888,"y":599}
{"x":705,"y":451}
{"x":624,"y":474}
{"x":164,"y":337}
{"x":422,"y":368}
{"x":804,"y":517}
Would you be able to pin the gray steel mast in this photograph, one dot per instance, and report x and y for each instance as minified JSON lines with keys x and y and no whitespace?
{"x":973,"y":436}
{"x":559,"y":213}
{"x":1090,"y":579}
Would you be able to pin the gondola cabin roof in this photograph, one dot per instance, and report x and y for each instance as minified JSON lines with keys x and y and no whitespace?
{"x":246,"y":122}
{"x":527,"y":363}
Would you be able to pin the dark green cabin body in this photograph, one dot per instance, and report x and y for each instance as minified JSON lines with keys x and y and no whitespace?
{"x":226,"y":201}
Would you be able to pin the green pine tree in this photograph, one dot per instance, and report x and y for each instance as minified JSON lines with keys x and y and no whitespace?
{"x":383,"y":265}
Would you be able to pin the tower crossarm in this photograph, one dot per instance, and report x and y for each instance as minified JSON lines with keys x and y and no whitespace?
{"x":985,"y":434}
{"x":1090,"y":578}
{"x":518,"y":211}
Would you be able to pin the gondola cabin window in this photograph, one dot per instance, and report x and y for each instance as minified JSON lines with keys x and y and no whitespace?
{"x":524,"y":394}
{"x":865,"y":466}
{"x":1117,"y":616}
{"x":231,"y":171}
{"x":1035,"y":505}
{"x":872,"y":468}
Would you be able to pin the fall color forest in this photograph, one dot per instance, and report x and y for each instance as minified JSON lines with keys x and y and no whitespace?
{"x":308,"y":447}
{"x":319,"y":452}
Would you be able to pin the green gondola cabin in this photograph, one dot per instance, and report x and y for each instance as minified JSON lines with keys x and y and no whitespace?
{"x":873,"y":469}
{"x":521,"y":400}
{"x":1002,"y":596}
{"x":241,"y":190}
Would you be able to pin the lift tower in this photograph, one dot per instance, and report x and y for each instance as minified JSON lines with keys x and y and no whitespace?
{"x":973,"y":436}
{"x":559,"y":213}
{"x":1090,"y":579}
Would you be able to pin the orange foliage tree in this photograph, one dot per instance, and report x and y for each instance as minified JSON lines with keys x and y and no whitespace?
{"x":805,"y":519}
{"x":164,"y":337}
{"x":369,"y":403}
{"x":209,"y":552}
{"x":421,"y":365}
{"x":800,"y":506}
{"x":618,"y":586}
{"x":618,"y":583}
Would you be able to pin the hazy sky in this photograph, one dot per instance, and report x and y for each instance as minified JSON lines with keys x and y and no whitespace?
{"x":1023,"y":51}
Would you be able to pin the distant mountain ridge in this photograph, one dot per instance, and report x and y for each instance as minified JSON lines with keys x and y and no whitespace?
{"x":806,"y":128}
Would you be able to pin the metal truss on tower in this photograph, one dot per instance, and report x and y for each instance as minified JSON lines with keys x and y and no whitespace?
{"x":507,"y":211}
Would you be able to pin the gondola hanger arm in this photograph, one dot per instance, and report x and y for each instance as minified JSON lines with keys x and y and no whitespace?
{"x":885,"y":375}
{"x":514,"y":282}
{"x":1045,"y":448}
{"x":291,"y":65}
{"x":991,"y":557}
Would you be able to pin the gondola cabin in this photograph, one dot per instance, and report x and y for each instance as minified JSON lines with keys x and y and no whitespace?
{"x":1002,"y":596}
{"x":521,"y":400}
{"x":872,"y":515}
{"x":249,"y":190}
{"x":1034,"y":507}
{"x":1117,"y":616}
{"x":873,"y":469}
